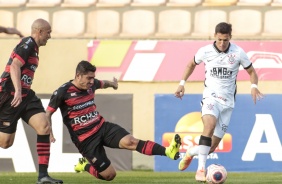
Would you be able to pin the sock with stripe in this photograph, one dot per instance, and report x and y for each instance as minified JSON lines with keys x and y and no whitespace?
{"x":43,"y":151}
{"x":150,"y":148}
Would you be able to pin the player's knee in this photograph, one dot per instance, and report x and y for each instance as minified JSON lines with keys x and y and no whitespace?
{"x":110,"y":176}
{"x":129,"y":142}
{"x":44,"y":129}
{"x":5,"y":145}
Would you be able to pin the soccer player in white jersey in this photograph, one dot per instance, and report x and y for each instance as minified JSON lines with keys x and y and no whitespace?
{"x":222,"y":60}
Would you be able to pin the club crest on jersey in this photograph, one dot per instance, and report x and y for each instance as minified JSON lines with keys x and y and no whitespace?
{"x":210,"y":106}
{"x":231,"y":58}
{"x":89,"y":91}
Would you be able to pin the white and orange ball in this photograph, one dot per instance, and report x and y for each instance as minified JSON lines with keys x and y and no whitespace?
{"x":216,"y":174}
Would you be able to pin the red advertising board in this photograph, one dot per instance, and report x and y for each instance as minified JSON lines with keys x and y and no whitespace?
{"x":153,"y":60}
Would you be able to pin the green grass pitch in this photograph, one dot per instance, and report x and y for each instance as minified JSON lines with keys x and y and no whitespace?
{"x":141,"y":177}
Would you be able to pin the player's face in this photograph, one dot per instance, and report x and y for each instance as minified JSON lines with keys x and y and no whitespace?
{"x":222,"y":41}
{"x":85,"y":81}
{"x":45,"y":35}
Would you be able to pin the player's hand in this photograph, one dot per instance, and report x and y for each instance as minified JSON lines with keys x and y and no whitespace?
{"x":115,"y":83}
{"x":52,"y":138}
{"x":179,"y":92}
{"x":17,"y":99}
{"x":256,"y":94}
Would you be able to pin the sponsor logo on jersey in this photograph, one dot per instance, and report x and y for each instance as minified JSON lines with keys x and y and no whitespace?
{"x":28,"y":41}
{"x":73,"y":94}
{"x":224,"y":127}
{"x":221,"y":73}
{"x":219,"y":97}
{"x":5,"y":123}
{"x":26,"y":79}
{"x":84,"y":105}
{"x":86,"y":118}
{"x":33,"y":67}
{"x":94,"y":160}
{"x":25,"y":46}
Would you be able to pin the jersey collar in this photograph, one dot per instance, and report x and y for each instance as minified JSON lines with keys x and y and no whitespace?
{"x":214,"y":45}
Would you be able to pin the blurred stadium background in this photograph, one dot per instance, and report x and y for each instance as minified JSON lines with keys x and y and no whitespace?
{"x":110,"y":33}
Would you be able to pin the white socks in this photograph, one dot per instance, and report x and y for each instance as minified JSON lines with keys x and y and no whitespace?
{"x":194,"y":151}
{"x":202,"y":156}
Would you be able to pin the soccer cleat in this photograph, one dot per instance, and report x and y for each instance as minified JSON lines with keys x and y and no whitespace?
{"x":201,"y":176}
{"x":81,"y":165}
{"x":186,"y":160}
{"x":48,"y":180}
{"x":173,"y":150}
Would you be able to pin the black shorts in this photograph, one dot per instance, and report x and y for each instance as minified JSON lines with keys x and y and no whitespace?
{"x":109,"y":135}
{"x":9,"y":115}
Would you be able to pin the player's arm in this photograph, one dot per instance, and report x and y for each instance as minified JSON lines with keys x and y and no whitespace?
{"x":10,"y":30}
{"x":113,"y":83}
{"x":187,"y":72}
{"x":256,"y":94}
{"x":56,"y":101}
{"x":3,"y":29}
{"x":15,"y":72}
{"x":49,"y":114}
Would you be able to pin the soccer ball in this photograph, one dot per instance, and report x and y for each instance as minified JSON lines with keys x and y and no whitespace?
{"x":216,"y":174}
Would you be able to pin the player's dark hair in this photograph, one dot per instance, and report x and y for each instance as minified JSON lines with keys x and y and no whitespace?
{"x":223,"y":28}
{"x":84,"y":67}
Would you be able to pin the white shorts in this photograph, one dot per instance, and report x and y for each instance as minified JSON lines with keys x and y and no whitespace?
{"x":221,"y":112}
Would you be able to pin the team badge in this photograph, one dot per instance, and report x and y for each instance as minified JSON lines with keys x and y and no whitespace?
{"x":231,"y":58}
{"x":90,"y":91}
{"x":210,"y":106}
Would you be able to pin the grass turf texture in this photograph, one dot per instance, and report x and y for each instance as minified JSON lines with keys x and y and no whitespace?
{"x":141,"y":177}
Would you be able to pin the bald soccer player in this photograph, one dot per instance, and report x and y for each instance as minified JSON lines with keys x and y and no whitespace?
{"x":18,"y":100}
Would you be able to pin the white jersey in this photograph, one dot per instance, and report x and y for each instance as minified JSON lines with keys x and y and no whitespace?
{"x":221,"y":69}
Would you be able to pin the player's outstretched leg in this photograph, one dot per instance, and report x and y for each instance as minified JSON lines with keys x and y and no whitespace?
{"x":173,"y":150}
{"x":48,"y":180}
{"x":80,"y":167}
{"x":186,"y":160}
{"x":201,"y":176}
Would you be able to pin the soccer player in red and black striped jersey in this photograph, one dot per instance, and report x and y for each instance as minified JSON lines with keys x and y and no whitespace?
{"x":18,"y":100}
{"x":90,"y":132}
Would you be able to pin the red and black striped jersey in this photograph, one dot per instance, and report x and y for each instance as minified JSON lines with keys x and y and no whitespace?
{"x":27,"y":52}
{"x":78,"y":110}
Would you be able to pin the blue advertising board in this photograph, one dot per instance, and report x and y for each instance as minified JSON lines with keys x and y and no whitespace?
{"x":251,"y":144}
